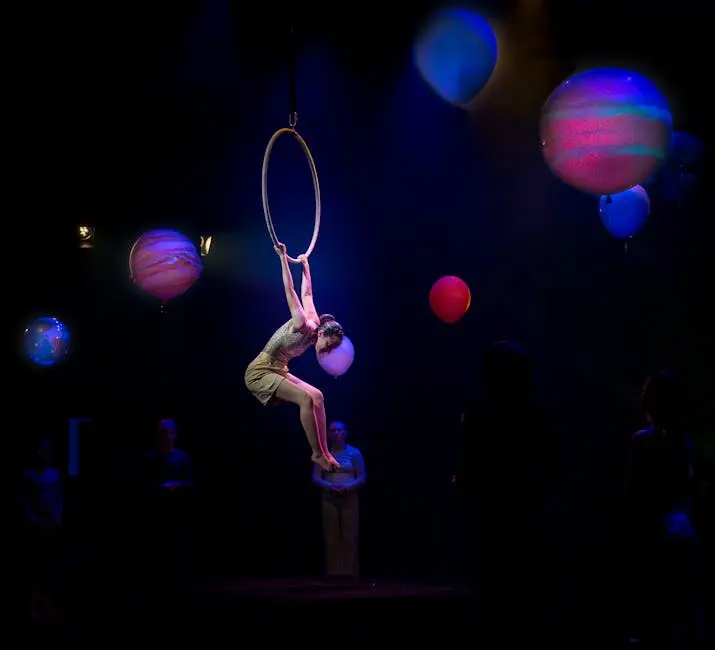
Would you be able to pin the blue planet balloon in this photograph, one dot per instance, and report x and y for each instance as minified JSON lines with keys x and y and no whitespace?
{"x":625,"y":213}
{"x":685,"y":149}
{"x":682,"y":168}
{"x":456,"y":54}
{"x":677,"y":179}
{"x":46,"y":341}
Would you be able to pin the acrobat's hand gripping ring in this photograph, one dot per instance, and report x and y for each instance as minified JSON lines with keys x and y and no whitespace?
{"x":316,"y":187}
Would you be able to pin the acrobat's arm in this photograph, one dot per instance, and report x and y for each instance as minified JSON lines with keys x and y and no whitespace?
{"x":306,"y":292}
{"x":296,"y":310}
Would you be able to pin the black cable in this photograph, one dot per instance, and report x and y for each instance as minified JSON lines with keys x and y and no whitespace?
{"x":292,"y":61}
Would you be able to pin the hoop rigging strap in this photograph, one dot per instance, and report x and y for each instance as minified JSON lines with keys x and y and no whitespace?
{"x":131,"y":259}
{"x":316,"y":187}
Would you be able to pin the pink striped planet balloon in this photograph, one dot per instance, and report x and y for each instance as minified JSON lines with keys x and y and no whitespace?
{"x":164,"y":263}
{"x":605,"y":131}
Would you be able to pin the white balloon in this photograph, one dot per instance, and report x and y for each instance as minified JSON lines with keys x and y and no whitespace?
{"x":339,"y":359}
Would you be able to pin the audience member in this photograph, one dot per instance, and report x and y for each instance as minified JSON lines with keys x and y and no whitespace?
{"x":663,"y":548}
{"x":507,"y":470}
{"x":42,"y":502}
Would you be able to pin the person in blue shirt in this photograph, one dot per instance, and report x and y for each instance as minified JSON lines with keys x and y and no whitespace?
{"x":340,"y":506}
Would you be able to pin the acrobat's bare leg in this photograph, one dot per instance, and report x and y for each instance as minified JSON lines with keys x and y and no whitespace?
{"x":321,"y":420}
{"x":306,"y":401}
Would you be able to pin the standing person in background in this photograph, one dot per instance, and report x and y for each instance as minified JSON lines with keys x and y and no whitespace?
{"x":168,"y":481}
{"x":42,"y":503}
{"x":508,"y":472}
{"x":339,"y":503}
{"x":663,"y":547}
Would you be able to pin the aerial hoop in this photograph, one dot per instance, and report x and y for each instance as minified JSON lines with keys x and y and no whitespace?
{"x":316,"y":187}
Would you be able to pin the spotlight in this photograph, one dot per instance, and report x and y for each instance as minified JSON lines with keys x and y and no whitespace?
{"x":85,"y":235}
{"x":205,"y":244}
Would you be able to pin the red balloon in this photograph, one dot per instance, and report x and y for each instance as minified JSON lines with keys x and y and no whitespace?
{"x":450,"y":298}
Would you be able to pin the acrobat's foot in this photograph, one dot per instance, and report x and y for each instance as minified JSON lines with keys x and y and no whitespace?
{"x":325,"y":461}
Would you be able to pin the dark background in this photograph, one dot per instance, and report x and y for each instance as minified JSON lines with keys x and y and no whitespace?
{"x":130,"y":119}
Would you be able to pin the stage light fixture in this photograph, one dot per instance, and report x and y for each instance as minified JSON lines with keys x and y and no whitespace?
{"x":205,"y":244}
{"x":85,"y":234}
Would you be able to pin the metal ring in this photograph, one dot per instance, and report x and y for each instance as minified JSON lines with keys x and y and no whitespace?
{"x":316,"y":187}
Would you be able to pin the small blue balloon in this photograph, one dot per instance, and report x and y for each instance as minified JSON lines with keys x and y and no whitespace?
{"x":625,"y":213}
{"x":456,"y":54}
{"x":46,"y":341}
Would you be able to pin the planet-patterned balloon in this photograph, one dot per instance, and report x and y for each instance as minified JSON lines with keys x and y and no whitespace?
{"x":164,"y":263}
{"x":46,"y":341}
{"x":604,"y":131}
{"x":679,"y":177}
{"x":685,"y":149}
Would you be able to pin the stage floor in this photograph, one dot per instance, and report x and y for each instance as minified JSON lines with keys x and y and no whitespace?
{"x":322,"y":589}
{"x":296,"y":610}
{"x":279,"y":610}
{"x":362,"y":609}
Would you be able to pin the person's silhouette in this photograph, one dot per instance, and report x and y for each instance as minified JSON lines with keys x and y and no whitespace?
{"x":662,"y":540}
{"x":507,"y":467}
{"x":42,"y":505}
{"x":168,"y":481}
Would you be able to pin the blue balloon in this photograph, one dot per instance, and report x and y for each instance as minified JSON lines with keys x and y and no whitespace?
{"x":46,"y":341}
{"x":685,"y":149}
{"x":679,"y":176}
{"x":456,"y":54}
{"x":625,"y":213}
